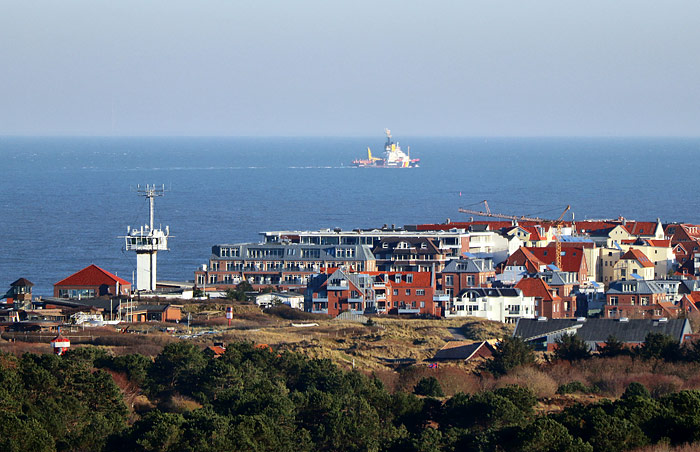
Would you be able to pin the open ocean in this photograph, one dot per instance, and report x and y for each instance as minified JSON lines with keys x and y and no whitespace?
{"x":65,"y":201}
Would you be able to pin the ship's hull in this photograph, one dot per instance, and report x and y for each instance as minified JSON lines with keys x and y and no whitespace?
{"x":382,"y":164}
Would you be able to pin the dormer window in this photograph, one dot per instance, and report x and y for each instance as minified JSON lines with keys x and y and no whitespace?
{"x":397,"y":278}
{"x":423,"y":246}
{"x":385,"y":245}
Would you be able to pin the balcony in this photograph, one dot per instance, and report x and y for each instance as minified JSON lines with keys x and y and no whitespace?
{"x":321,"y":299}
{"x":355,"y":300}
{"x":439,"y":295}
{"x":409,"y":311}
{"x":319,"y":311}
{"x":337,"y":285}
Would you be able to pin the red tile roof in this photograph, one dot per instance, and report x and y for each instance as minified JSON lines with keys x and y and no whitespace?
{"x":641,"y":227}
{"x":639,"y":256}
{"x":92,"y":276}
{"x":659,"y":243}
{"x":536,"y":287}
{"x":571,"y":260}
{"x":523,"y":257}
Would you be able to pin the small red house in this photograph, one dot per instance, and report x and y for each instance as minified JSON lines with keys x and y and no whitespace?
{"x":91,"y":282}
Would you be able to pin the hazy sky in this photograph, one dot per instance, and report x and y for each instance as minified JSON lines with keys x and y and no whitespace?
{"x":327,"y":67}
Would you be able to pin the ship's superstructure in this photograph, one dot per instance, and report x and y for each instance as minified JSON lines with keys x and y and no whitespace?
{"x":147,"y":241}
{"x":394,"y":156}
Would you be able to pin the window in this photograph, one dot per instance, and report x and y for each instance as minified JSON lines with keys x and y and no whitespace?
{"x":408,"y":291}
{"x":633,"y":300}
{"x":449,"y":280}
{"x":397,"y":278}
{"x":420,"y":292}
{"x":396,"y":291}
{"x":613,"y":300}
{"x":422,"y":304}
{"x":470,"y":280}
{"x":645,"y":301}
{"x":409,"y":278}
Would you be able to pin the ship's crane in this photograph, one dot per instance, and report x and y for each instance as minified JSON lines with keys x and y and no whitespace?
{"x":556,"y":223}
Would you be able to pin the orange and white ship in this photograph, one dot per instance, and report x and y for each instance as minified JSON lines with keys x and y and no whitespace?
{"x":393,"y":157}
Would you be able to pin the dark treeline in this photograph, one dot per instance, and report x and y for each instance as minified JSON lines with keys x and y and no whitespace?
{"x":254,"y":399}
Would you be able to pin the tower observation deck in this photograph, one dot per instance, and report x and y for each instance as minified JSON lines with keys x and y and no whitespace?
{"x":147,"y":241}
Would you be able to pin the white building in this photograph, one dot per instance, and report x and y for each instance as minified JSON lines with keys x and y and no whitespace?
{"x":291,"y":299}
{"x":503,"y":305}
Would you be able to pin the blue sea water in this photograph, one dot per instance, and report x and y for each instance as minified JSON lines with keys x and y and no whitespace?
{"x":65,"y":201}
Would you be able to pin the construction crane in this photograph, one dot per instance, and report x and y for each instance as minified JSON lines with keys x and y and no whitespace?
{"x":556,"y":223}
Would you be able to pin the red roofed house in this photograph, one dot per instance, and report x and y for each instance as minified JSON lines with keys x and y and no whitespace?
{"x":547,"y":302}
{"x":522,"y":261}
{"x":573,"y":259}
{"x":91,"y":282}
{"x":690,"y":303}
{"x":633,"y":262}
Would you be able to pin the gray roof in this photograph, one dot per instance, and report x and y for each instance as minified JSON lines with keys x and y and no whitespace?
{"x":689,"y":285}
{"x":598,"y":330}
{"x":638,"y":286}
{"x":462,"y":352}
{"x":99,"y":303}
{"x":469,"y":266}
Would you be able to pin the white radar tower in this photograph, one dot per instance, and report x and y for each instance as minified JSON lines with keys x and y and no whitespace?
{"x":147,"y":241}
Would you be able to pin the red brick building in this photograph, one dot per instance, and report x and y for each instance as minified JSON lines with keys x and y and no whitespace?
{"x":547,"y":302}
{"x":90,"y":282}
{"x":462,"y":274}
{"x":372,"y":293}
{"x":638,"y":299}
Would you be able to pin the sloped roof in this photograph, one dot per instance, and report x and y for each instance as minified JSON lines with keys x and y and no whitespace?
{"x":636,"y":286}
{"x":525,"y":258}
{"x":92,"y":276}
{"x":469,"y":266}
{"x":659,"y":243}
{"x":639,"y":256}
{"x":536,"y":287}
{"x":462,"y":350}
{"x":598,"y":330}
{"x":571,"y":260}
{"x":641,"y":227}
{"x":22,"y":282}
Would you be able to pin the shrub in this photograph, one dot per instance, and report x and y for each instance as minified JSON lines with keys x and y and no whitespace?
{"x":613,"y":347}
{"x":635,"y":389}
{"x":510,"y":353}
{"x":571,"y":348}
{"x":660,"y":346}
{"x":428,"y":386}
{"x":572,"y":387}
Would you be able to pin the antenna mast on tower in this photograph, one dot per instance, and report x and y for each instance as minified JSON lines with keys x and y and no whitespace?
{"x":147,"y":241}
